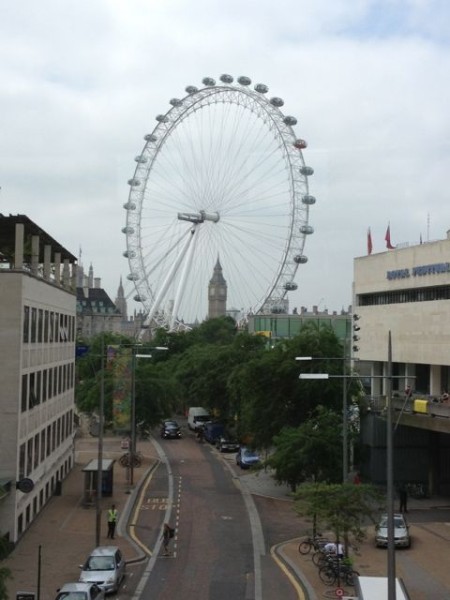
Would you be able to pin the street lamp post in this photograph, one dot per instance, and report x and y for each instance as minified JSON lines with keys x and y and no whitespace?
{"x":391,"y":570}
{"x":345,"y":461}
{"x":134,"y":356}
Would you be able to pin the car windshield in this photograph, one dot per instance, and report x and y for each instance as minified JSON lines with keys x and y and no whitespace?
{"x":100,"y":563}
{"x":398,"y":522}
{"x":71,"y":596}
{"x":250,"y":454}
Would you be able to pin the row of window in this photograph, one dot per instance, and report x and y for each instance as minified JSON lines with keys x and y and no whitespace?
{"x":40,"y":386}
{"x":426,"y":294}
{"x":47,"y":326}
{"x":38,"y":502}
{"x":39,"y":447}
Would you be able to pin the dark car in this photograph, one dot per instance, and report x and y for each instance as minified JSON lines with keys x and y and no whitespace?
{"x":170,"y":430}
{"x":246,"y":458}
{"x":227,"y":443}
{"x":212,"y":430}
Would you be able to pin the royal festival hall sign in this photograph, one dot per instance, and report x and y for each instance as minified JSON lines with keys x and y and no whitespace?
{"x":436,"y":269}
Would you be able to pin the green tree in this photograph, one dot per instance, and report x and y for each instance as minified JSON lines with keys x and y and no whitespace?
{"x":312,"y":451}
{"x":343,"y":508}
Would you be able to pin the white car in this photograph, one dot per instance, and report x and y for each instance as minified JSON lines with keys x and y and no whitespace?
{"x":105,"y":567}
{"x":80,"y":591}
{"x":402,"y":539}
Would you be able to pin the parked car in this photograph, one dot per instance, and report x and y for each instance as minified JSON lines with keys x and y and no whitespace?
{"x":197,"y":417}
{"x":212,"y":430}
{"x":170,"y":430}
{"x":246,"y":458}
{"x":80,"y":591}
{"x":105,"y":567}
{"x":402,"y":539}
{"x":227,"y":443}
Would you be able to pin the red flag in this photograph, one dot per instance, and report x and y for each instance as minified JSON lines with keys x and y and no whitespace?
{"x":387,"y":237}
{"x":369,"y":242}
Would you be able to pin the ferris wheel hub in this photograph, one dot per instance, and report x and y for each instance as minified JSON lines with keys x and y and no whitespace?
{"x":199,"y":217}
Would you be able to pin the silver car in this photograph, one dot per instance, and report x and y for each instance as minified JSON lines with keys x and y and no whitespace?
{"x":80,"y":591}
{"x":105,"y":567}
{"x":402,"y":539}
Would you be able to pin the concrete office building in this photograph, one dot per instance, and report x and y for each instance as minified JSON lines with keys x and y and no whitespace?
{"x":37,"y":370}
{"x":406,"y":290}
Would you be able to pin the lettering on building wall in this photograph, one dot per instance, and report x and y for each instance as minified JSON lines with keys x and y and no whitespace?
{"x":435,"y":269}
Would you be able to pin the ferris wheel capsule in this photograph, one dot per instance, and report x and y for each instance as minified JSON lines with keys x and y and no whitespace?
{"x":304,"y":170}
{"x":300,"y":144}
{"x":291,"y":121}
{"x":191,"y":89}
{"x":208,"y":81}
{"x":261,"y":88}
{"x":307,"y":199}
{"x":278,"y":102}
{"x":301,"y":259}
{"x":243,"y":80}
{"x":176,"y":102}
{"x":150,"y":137}
{"x":226,"y":78}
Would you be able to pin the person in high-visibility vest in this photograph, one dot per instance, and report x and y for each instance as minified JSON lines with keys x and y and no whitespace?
{"x":112,"y":520}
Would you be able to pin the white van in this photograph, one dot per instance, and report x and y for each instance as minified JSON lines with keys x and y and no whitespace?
{"x":376,"y":588}
{"x":197,"y":415}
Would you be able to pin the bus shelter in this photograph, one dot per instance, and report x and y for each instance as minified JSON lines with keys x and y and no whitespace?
{"x":91,"y":477}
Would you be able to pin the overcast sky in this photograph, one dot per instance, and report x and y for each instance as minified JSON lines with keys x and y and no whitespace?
{"x":82,"y":82}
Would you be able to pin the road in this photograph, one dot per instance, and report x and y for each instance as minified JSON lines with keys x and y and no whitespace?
{"x":219,"y":550}
{"x":224,"y":536}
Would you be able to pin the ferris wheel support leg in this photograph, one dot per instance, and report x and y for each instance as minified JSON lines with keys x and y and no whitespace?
{"x":168,"y":279}
{"x":184,"y":275}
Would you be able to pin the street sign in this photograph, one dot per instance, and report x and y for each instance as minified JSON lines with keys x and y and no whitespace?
{"x":25,"y":596}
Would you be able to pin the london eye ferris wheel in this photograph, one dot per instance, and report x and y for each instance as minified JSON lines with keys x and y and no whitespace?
{"x":222,"y":175}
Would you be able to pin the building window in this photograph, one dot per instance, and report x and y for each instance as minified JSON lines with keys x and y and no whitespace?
{"x":42,"y":445}
{"x":29,"y":456}
{"x":46,"y":326}
{"x":33,"y":325}
{"x":32,"y":399}
{"x":20,"y":524}
{"x":36,"y":451}
{"x":27,"y":516}
{"x":44,"y":385}
{"x":24,"y":394}
{"x":49,"y":440}
{"x":52,"y":327}
{"x":40,"y":324}
{"x":26,"y":324}
{"x":22,"y":461}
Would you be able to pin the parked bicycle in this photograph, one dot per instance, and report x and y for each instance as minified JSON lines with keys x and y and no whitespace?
{"x":316,"y":542}
{"x":337,"y":571}
{"x":128,"y":460}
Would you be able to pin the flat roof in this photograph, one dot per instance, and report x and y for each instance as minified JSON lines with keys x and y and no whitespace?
{"x":107,"y":464}
{"x":8,"y":238}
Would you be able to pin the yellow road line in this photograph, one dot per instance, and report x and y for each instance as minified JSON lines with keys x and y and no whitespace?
{"x":137,"y":508}
{"x":293,"y":580}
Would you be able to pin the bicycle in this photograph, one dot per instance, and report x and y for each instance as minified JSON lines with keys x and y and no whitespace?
{"x":126,"y":461}
{"x":335,"y":570}
{"x":316,"y":542}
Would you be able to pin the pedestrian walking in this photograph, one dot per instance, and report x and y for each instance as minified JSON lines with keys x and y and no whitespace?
{"x":168,"y":533}
{"x":403,"y":495}
{"x":112,"y":520}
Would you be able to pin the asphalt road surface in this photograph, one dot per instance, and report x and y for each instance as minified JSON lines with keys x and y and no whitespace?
{"x":219,"y":550}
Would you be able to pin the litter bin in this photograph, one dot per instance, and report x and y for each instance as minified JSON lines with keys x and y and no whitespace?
{"x":58,"y":487}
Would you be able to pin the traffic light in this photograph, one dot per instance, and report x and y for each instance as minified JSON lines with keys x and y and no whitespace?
{"x":355,"y":337}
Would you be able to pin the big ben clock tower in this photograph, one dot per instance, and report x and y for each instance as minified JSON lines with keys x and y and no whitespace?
{"x":217,"y":293}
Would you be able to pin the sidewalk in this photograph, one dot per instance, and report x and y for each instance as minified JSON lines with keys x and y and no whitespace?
{"x":66,"y":530}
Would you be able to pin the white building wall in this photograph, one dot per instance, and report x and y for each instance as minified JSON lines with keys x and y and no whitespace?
{"x":21,"y":428}
{"x":420,"y":330}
